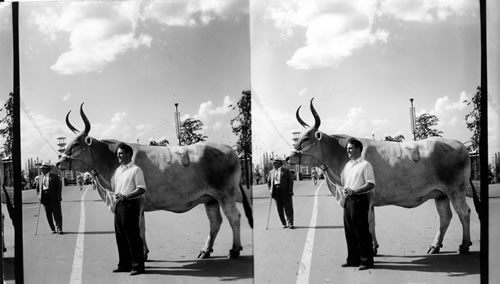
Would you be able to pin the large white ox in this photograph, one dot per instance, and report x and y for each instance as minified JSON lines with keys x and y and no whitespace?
{"x":177,"y":178}
{"x":406,"y":174}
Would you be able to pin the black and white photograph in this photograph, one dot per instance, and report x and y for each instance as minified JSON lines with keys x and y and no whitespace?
{"x":134,"y":141}
{"x":404,"y":79}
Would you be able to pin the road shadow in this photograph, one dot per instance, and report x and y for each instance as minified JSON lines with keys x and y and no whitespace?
{"x":319,"y":227}
{"x":220,"y":267}
{"x":448,"y":262}
{"x":90,"y":233}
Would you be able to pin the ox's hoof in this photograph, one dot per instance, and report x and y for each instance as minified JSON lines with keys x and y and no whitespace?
{"x":375,"y":250}
{"x":205,"y":254}
{"x":434,"y":249}
{"x":233,"y":254}
{"x":464,"y":249}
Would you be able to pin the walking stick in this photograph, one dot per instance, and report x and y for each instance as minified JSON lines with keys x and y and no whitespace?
{"x":269,"y":213}
{"x":38,"y":217}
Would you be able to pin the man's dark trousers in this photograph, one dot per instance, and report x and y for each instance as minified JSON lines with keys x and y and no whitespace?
{"x":284,"y":202}
{"x":128,"y":238}
{"x":357,"y":234}
{"x":54,"y":213}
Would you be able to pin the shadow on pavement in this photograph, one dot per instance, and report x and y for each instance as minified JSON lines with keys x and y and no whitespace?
{"x":319,"y":227}
{"x":90,"y":233}
{"x":220,"y":267}
{"x":449,"y":262}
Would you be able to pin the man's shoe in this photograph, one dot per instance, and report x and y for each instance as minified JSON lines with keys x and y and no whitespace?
{"x":350,"y":264}
{"x":136,"y":272}
{"x":54,"y":232}
{"x":291,"y":227}
{"x":285,"y":226}
{"x":365,"y":266}
{"x":120,"y":269}
{"x":60,"y":232}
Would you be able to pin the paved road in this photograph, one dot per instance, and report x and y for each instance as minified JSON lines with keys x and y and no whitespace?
{"x":89,"y":253}
{"x":315,"y":250}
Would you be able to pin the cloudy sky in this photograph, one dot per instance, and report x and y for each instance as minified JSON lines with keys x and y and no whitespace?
{"x":130,"y":62}
{"x":362,"y":61}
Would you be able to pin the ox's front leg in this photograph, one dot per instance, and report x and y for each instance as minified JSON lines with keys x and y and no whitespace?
{"x":215,"y":220}
{"x":142,"y":227}
{"x":371,"y":223}
{"x":233,"y":215}
{"x":463,"y":211}
{"x":444,"y":211}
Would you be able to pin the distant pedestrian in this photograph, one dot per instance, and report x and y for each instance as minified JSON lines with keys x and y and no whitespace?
{"x":314,"y":175}
{"x":48,"y":187}
{"x":79,"y":180}
{"x":280,"y":185}
{"x":357,"y":179}
{"x":129,"y":186}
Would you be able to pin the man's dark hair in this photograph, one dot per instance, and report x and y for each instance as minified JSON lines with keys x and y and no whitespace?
{"x":126,"y":148}
{"x":355,"y":142}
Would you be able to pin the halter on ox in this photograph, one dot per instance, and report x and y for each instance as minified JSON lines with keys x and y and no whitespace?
{"x":440,"y":171}
{"x":177,"y":179}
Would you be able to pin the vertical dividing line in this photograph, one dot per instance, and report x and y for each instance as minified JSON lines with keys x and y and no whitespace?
{"x":483,"y":147}
{"x":305,"y":263}
{"x":16,"y":151}
{"x":77,"y":269}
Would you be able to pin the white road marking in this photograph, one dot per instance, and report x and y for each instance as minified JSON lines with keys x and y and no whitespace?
{"x":305,"y":263}
{"x":77,"y":270}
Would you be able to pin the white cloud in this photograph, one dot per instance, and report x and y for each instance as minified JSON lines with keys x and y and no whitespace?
{"x":425,"y":10}
{"x":193,"y":12}
{"x":66,"y":97}
{"x":98,"y":34}
{"x":303,"y":92}
{"x":334,"y":30}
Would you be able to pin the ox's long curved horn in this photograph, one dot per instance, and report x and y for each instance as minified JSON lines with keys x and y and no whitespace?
{"x":317,"y":120}
{"x":69,"y":124}
{"x":305,"y":125}
{"x":85,"y":120}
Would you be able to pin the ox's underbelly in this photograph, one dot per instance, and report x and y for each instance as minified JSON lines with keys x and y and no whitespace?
{"x":406,"y":199}
{"x":178,"y":205}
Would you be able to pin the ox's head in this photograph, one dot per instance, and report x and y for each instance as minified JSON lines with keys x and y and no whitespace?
{"x":308,"y":149}
{"x":79,"y":153}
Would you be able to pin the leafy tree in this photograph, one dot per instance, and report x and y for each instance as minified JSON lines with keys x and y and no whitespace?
{"x":189,"y":129}
{"x":242,"y":126}
{"x":163,"y":142}
{"x":472,"y":119}
{"x":399,"y":138}
{"x":7,"y":124}
{"x":423,"y":125}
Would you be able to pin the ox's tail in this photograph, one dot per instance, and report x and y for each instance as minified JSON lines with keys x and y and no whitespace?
{"x":247,"y":207}
{"x":475,"y":198}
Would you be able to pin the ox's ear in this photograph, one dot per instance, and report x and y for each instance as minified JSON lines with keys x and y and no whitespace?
{"x":88,"y":140}
{"x":318,"y":135}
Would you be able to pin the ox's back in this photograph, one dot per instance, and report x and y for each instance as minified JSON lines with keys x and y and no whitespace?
{"x":178,"y":178}
{"x":408,"y":174}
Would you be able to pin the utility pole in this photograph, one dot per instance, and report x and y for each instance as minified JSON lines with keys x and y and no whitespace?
{"x":412,"y":120}
{"x":178,"y":123}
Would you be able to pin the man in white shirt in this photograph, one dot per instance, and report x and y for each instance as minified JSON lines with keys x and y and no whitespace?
{"x":357,"y":179}
{"x":129,"y":186}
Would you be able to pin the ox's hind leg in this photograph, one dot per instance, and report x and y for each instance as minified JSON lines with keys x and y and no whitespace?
{"x":371,"y":223}
{"x":463,"y":211}
{"x":444,"y":211}
{"x":142,"y":229}
{"x":233,"y":215}
{"x":215,"y":220}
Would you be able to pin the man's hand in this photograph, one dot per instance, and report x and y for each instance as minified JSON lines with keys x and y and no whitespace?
{"x":348,"y":191}
{"x":119,"y":197}
{"x":93,"y":172}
